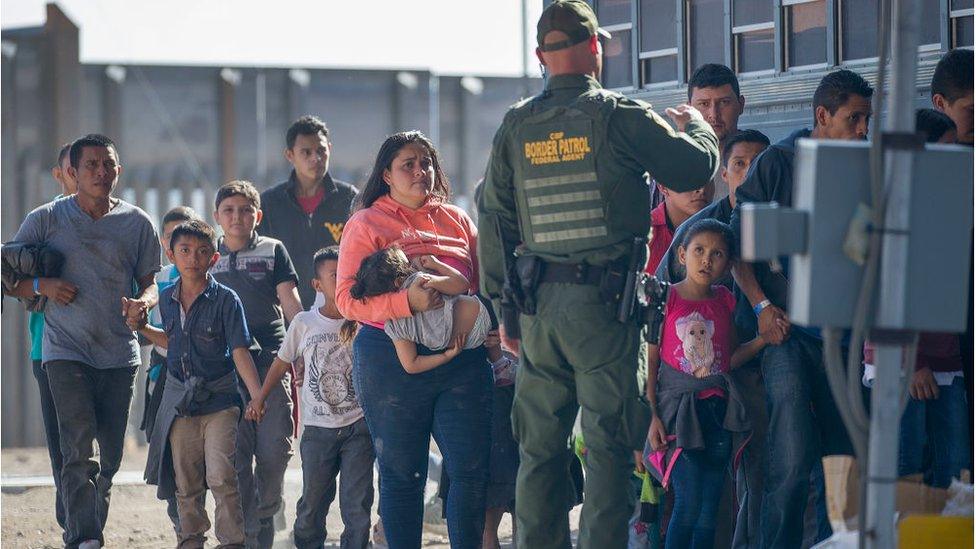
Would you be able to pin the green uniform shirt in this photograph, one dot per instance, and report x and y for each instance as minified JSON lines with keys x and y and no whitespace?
{"x":567,"y":178}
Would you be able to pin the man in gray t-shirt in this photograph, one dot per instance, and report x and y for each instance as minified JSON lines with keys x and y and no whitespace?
{"x":90,"y":352}
{"x":103,"y":258}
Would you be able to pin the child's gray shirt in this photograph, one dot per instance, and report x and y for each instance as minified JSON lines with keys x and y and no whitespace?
{"x":432,"y":329}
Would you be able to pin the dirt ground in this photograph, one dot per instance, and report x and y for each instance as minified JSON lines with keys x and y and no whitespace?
{"x":138,"y":520}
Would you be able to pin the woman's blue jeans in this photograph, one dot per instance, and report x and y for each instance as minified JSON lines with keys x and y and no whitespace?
{"x":698,"y":479}
{"x":454,"y":404}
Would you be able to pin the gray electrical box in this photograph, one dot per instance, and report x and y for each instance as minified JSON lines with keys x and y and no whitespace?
{"x":831,"y":188}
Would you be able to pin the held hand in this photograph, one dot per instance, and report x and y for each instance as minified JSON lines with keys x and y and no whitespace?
{"x":923,"y":385}
{"x":700,"y":372}
{"x":656,"y":435}
{"x":61,"y":291}
{"x":135,"y":312}
{"x":682,"y":114}
{"x":774,"y":325}
{"x":421,"y":298}
{"x":255,"y":410}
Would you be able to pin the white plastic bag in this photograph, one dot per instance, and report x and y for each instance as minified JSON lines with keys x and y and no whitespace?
{"x":960,"y":502}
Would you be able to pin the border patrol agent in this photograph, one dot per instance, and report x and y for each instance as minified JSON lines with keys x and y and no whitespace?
{"x":564,"y":216}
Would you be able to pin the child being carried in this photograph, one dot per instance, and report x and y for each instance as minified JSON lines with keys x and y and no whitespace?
{"x":462,"y":323}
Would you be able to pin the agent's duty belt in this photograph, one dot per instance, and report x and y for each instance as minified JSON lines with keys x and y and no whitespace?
{"x":572,"y":273}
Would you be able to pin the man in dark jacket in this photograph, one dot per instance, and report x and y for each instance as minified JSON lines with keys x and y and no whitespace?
{"x":309,"y":211}
{"x":792,"y":369}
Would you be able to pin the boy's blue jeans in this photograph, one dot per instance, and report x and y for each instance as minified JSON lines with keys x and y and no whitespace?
{"x":345,"y":452}
{"x":698,"y":479}
{"x":454,"y":404}
{"x":942,"y":424}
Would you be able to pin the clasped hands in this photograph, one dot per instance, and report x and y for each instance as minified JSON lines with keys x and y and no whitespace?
{"x":255,"y":410}
{"x":135,"y":312}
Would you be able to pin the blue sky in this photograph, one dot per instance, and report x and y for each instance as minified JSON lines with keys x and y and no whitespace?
{"x":446,"y":36}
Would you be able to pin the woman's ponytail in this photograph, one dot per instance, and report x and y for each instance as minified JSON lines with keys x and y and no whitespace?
{"x":348,"y":331}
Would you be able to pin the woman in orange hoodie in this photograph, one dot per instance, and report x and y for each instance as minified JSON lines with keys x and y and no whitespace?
{"x":404,"y":203}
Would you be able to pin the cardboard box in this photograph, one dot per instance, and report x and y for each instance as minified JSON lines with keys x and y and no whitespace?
{"x":843,"y":484}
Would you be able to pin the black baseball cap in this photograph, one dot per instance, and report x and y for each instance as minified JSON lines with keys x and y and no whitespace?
{"x":575,"y":18}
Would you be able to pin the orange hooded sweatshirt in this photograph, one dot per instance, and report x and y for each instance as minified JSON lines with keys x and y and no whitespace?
{"x":435,"y":228}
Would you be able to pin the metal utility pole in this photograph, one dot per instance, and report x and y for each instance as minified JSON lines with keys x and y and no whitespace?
{"x":261,"y":120}
{"x":886,"y":396}
{"x":878,"y":294}
{"x":525,"y":48}
{"x":434,"y":108}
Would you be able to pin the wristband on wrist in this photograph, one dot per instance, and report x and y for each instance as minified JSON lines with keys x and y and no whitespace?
{"x":760,"y":306}
{"x":37,"y":286}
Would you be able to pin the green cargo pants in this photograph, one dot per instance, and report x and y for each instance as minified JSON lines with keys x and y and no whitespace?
{"x":575,"y":354}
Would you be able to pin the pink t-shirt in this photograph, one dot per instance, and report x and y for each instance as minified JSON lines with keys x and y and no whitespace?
{"x":699,"y":334}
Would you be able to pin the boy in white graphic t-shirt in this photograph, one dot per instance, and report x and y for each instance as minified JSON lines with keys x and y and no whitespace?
{"x":335,"y":440}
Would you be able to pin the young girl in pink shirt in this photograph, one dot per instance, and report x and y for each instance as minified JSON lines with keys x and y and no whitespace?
{"x":697,"y":407}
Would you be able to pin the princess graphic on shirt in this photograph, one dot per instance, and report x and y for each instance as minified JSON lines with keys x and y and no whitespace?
{"x":695,"y":332}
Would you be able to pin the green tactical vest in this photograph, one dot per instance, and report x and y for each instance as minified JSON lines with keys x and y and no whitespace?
{"x":565,"y":181}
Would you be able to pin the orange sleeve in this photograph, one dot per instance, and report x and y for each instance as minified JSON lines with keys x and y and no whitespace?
{"x":355,"y":245}
{"x":473,"y":251}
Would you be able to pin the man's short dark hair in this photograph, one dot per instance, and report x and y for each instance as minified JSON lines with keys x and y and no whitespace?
{"x":837,"y":87}
{"x":195,"y":228}
{"x":953,"y":77}
{"x":330,"y":253}
{"x":90,"y":140}
{"x":713,"y":75}
{"x":744,"y":136}
{"x":238,"y":188}
{"x":65,"y":150}
{"x":180,"y":213}
{"x":306,"y":125}
{"x":932,"y":124}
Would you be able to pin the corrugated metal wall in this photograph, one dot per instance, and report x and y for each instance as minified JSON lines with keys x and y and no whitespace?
{"x":182,"y":131}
